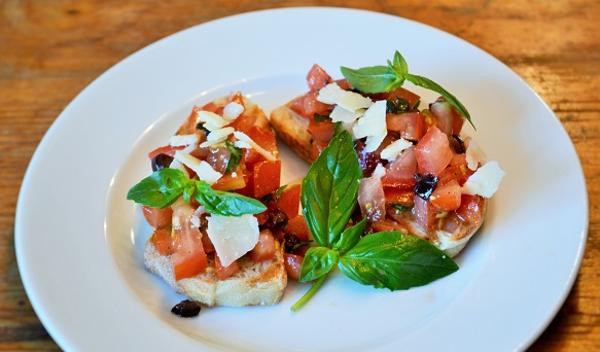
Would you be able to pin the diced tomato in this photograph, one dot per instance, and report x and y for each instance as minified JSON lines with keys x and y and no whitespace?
{"x":386,"y":225}
{"x":244,"y":123}
{"x":189,"y":126}
{"x":448,"y":119}
{"x":344,"y":84}
{"x":308,"y":105}
{"x":401,"y":172}
{"x":433,"y":152}
{"x":428,"y":117}
{"x":405,"y":94}
{"x":293,"y":265}
{"x":212,"y":107}
{"x":400,"y":196}
{"x":411,"y":125}
{"x":225,"y":272}
{"x":162,"y":241}
{"x":289,"y":200}
{"x":207,"y":244}
{"x":317,"y":78}
{"x":317,"y":148}
{"x":297,"y":226}
{"x":167,"y":150}
{"x":229,"y":182}
{"x":424,"y":213}
{"x":266,"y":176}
{"x":471,"y":209}
{"x":251,"y":157}
{"x":457,"y":170}
{"x":447,"y":196}
{"x":189,"y":258}
{"x":158,"y":218}
{"x":262,"y":217}
{"x":263,"y":137}
{"x":265,"y":248}
{"x":321,"y":131}
{"x":371,"y":198}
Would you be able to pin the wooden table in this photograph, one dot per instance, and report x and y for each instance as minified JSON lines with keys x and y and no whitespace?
{"x":50,"y":50}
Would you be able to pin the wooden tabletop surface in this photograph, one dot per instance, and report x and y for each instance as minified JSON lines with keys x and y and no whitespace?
{"x":50,"y":50}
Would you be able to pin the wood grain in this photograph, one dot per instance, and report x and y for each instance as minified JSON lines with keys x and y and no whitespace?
{"x":50,"y":50}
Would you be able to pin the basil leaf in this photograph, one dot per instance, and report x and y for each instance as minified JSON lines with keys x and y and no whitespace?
{"x":160,"y":189}
{"x":374,"y":79}
{"x":318,"y":261}
{"x":226,"y":203}
{"x":431,"y":85}
{"x":350,"y":237}
{"x":188,"y":192}
{"x":399,"y":64}
{"x":395,"y":261}
{"x":321,"y":118}
{"x":330,"y":188}
{"x":235,"y":155}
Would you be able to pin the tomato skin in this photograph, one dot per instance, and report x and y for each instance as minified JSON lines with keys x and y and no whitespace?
{"x":401,"y":172}
{"x":266,"y":175}
{"x":162,"y":241}
{"x":317,"y":78}
{"x":433,"y":152}
{"x":157,"y":217}
{"x":424,"y":213}
{"x":229,"y":182}
{"x":447,"y":196}
{"x":457,"y":170}
{"x":297,"y":226}
{"x":289,"y":201}
{"x":265,"y":248}
{"x":188,"y":258}
{"x":167,"y":150}
{"x":400,"y":196}
{"x":264,"y":137}
{"x":448,"y":119}
{"x":321,"y":131}
{"x":225,"y":272}
{"x":293,"y":265}
{"x":411,"y":125}
{"x":471,"y":209}
{"x":344,"y":84}
{"x":307,"y":105}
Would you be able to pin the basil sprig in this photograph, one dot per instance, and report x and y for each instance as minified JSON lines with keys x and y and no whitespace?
{"x":235,"y":155}
{"x":379,"y":79}
{"x":385,"y":259}
{"x":163,"y":187}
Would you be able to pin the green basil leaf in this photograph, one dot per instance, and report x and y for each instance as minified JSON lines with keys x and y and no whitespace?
{"x":235,"y":155}
{"x":395,"y":261}
{"x":431,"y":85}
{"x":330,"y":188}
{"x":400,"y":64}
{"x":188,"y":192}
{"x":226,"y":203}
{"x":350,"y":237}
{"x":374,"y":79}
{"x":318,"y":261}
{"x":160,"y":189}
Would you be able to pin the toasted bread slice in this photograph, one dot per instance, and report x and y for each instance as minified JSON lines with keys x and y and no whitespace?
{"x":293,"y":130}
{"x":255,"y":284}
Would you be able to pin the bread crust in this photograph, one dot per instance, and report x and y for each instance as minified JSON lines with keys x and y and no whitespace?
{"x":293,"y":130}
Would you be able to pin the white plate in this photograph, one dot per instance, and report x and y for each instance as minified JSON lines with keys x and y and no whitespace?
{"x":78,"y":240}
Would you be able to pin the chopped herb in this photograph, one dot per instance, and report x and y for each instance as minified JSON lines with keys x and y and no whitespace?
{"x":235,"y":155}
{"x":397,"y":106}
{"x":321,"y":118}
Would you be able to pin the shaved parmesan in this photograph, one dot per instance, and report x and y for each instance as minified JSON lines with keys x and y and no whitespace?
{"x":232,"y":236}
{"x":379,"y":171}
{"x":485,"y":180}
{"x":351,"y":101}
{"x":474,"y":154}
{"x":340,"y":114}
{"x":232,"y":110}
{"x":248,"y":143}
{"x":203,"y":169}
{"x":391,"y":152}
{"x":211,"y":120}
{"x":183,"y":139}
{"x":176,"y":164}
{"x":372,"y":125}
{"x":217,"y":136}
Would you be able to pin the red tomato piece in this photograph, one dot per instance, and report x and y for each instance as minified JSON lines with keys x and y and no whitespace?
{"x":424,"y":213}
{"x":447,"y":196}
{"x":229,"y":182}
{"x":317,"y":78}
{"x":401,"y":172}
{"x":400,"y":196}
{"x":308,"y":105}
{"x":244,"y":123}
{"x":321,"y":131}
{"x":266,"y":176}
{"x":167,"y":150}
{"x":471,"y":209}
{"x":289,"y":201}
{"x":265,"y":248}
{"x":263,"y":137}
{"x":344,"y":84}
{"x":386,"y":225}
{"x":293,"y":265}
{"x":433,"y":152}
{"x":411,"y":125}
{"x":207,"y":244}
{"x":189,"y":258}
{"x":225,"y":272}
{"x":158,"y":218}
{"x":297,"y":226}
{"x":317,"y":148}
{"x":457,"y":170}
{"x":162,"y":241}
{"x":405,"y":94}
